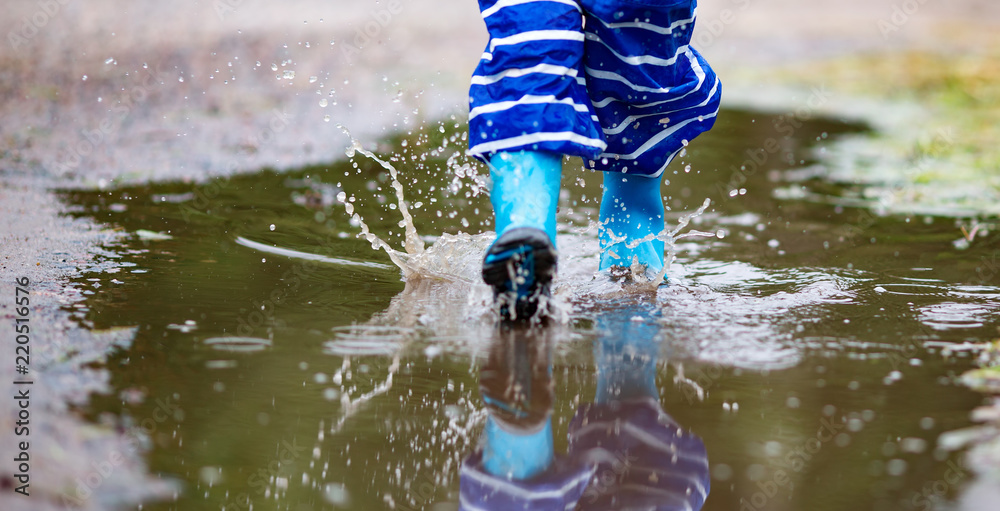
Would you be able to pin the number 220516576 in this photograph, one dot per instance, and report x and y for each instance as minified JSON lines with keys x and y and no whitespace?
{"x":22,"y":329}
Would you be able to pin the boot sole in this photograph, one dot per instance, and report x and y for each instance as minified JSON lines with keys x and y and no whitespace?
{"x":519,"y":266}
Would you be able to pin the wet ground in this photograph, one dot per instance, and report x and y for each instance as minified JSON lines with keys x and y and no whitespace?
{"x":279,"y":361}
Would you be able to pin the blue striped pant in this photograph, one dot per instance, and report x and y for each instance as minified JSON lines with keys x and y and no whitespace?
{"x":614,"y":82}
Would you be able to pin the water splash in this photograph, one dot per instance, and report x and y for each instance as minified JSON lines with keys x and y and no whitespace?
{"x":448,"y":258}
{"x":412,"y":243}
{"x":640,"y":278}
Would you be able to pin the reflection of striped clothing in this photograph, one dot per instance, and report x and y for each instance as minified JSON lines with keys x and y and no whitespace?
{"x":557,"y":489}
{"x":644,"y":460}
{"x":626,"y":92}
{"x":622,"y":455}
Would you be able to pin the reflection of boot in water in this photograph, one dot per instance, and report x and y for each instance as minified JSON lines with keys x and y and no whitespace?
{"x":644,"y":459}
{"x":515,"y":467}
{"x":516,"y":386}
{"x":522,"y":261}
{"x":627,"y":353}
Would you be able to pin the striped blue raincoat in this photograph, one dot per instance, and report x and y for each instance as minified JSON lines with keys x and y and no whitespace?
{"x":614,"y":82}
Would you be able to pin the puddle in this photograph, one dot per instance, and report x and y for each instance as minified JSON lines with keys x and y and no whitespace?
{"x":802,"y":343}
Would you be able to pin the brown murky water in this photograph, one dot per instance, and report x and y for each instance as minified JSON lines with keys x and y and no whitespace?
{"x":312,"y":377}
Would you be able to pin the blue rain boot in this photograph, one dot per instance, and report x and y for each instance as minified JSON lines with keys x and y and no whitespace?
{"x":521,"y":262}
{"x":631,"y":210}
{"x":515,"y":454}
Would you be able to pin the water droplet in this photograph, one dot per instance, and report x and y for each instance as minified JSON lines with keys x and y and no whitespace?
{"x":108,"y":61}
{"x":288,"y":74}
{"x":323,"y":102}
{"x":272,"y":227}
{"x":210,"y":475}
{"x":313,"y":79}
{"x":896,"y":467}
{"x":180,"y":79}
{"x":84,"y":77}
{"x":274,"y":67}
{"x":326,"y":118}
{"x":336,"y":494}
{"x":237,"y":344}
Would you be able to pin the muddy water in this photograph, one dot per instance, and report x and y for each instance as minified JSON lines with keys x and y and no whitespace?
{"x":281,"y":363}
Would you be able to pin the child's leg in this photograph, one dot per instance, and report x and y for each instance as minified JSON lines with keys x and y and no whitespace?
{"x":527,"y":93}
{"x":653,"y":94}
{"x":529,"y":107}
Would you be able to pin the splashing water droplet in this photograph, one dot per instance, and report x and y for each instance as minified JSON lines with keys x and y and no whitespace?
{"x":413,"y":244}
